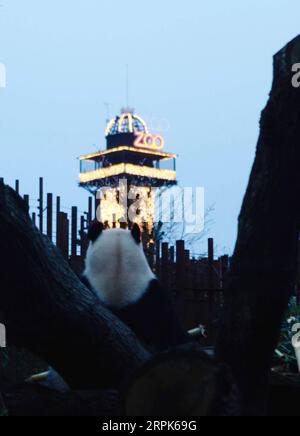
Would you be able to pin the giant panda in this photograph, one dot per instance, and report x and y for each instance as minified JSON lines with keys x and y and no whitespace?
{"x":116,"y":268}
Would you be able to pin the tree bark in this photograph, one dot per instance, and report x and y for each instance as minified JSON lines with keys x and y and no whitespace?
{"x":50,"y":312}
{"x":264,"y":264}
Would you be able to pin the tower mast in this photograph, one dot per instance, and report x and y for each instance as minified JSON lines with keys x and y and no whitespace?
{"x":127,"y":86}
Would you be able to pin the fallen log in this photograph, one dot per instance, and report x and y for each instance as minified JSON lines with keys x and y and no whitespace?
{"x":164,"y":387}
{"x":182,"y":382}
{"x":48,"y":311}
{"x":264,"y":264}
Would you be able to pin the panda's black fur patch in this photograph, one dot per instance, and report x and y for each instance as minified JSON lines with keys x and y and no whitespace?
{"x":153,"y":318}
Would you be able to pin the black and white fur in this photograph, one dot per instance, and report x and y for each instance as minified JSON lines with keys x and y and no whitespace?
{"x":117,"y":269}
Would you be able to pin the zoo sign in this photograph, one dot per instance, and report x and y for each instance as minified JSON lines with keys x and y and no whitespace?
{"x":149,"y":141}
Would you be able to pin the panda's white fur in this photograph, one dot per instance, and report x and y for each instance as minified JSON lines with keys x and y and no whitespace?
{"x":117,"y":268}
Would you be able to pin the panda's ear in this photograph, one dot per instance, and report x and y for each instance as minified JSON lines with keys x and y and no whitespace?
{"x":95,"y":230}
{"x":136,"y":233}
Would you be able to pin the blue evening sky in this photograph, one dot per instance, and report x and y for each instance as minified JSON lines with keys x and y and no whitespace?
{"x":199,"y":70}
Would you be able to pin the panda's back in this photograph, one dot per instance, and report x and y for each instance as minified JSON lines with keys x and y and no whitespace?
{"x":117,"y":268}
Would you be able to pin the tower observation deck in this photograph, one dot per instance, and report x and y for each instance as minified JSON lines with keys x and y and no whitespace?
{"x":132,"y":154}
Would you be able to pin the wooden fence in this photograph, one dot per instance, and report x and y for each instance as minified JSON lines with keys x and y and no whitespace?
{"x":196,"y":283}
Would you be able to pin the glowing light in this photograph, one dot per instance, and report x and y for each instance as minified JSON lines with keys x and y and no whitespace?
{"x":111,"y":211}
{"x":130,"y":123}
{"x":142,"y":122}
{"x":148,"y":141}
{"x":163,"y":155}
{"x":120,"y":122}
{"x":134,"y":170}
{"x":109,"y":127}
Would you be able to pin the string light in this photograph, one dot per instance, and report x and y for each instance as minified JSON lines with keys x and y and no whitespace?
{"x":161,"y":154}
{"x":112,"y":211}
{"x":134,"y":170}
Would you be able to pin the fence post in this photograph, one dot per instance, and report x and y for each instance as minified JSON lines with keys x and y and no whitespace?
{"x":83,"y":239}
{"x":26,"y":199}
{"x":97,"y":204}
{"x":187,"y":269}
{"x":17,"y":187}
{"x":211,"y":263}
{"x":150,"y":255}
{"x":41,"y":204}
{"x":165,"y":263}
{"x":74,"y":231}
{"x":66,"y":236}
{"x":224,"y":270}
{"x":63,"y":234}
{"x":172,"y":268}
{"x":180,"y":266}
{"x":157,"y":259}
{"x":59,"y":224}
{"x":57,"y":219}
{"x":50,"y":216}
{"x":211,"y":276}
{"x":172,"y":254}
{"x":90,"y":211}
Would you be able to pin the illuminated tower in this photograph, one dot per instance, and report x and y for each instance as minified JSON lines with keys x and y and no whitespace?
{"x":135,"y":156}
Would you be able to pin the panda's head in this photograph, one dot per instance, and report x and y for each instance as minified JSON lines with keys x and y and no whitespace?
{"x":116,"y":265}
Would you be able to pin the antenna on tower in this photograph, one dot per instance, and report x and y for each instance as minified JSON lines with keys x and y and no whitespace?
{"x":127,"y":108}
{"x":107,"y":106}
{"x":127,"y":85}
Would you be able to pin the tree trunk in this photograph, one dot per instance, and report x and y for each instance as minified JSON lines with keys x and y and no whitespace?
{"x":264,"y":264}
{"x":50,"y":312}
